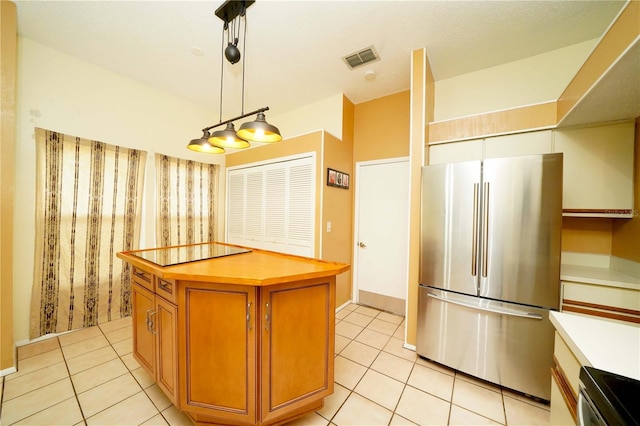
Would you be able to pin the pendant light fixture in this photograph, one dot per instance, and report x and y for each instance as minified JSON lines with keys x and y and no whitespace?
{"x":202,"y":144}
{"x":232,"y":12}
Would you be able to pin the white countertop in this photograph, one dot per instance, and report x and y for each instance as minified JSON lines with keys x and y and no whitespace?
{"x":602,"y":344}
{"x":597,"y":275}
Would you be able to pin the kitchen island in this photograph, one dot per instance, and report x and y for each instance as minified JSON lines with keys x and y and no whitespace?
{"x":233,"y":335}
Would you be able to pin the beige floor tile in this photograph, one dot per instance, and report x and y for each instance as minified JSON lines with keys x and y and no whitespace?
{"x":435,"y":366}
{"x":311,"y":419}
{"x":79,"y":335}
{"x":524,"y":398}
{"x":360,"y":411}
{"x":156,"y":420}
{"x":393,"y":366}
{"x":143,"y":378}
{"x":36,"y":362}
{"x":91,"y":359}
{"x":119,"y":334}
{"x":381,"y":389}
{"x":461,"y":417}
{"x":432,"y":381}
{"x":521,"y":413}
{"x":341,"y":343}
{"x":351,"y":307}
{"x":333,"y":402}
{"x":394,"y":319}
{"x":124,"y":347}
{"x":373,"y":338}
{"x":35,"y":401}
{"x":34,"y":380}
{"x":396,"y":347}
{"x":342,"y":313}
{"x":130,"y":362}
{"x":37,"y":348}
{"x":84,"y":346}
{"x":131,"y":411}
{"x":66,"y":412}
{"x":348,"y":330}
{"x":175,"y":417}
{"x":399,"y":334}
{"x":347,"y":372}
{"x":360,"y":353}
{"x":365,"y":310}
{"x":107,"y":327}
{"x":397,"y":420}
{"x":478,"y":382}
{"x":358,"y":319}
{"x":478,"y":399}
{"x":98,"y":375}
{"x":158,"y":397}
{"x":107,"y":394}
{"x":422,"y":408}
{"x":382,"y":326}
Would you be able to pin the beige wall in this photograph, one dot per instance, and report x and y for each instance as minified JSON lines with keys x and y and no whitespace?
{"x":529,"y":81}
{"x":8,"y":56}
{"x":61,"y":93}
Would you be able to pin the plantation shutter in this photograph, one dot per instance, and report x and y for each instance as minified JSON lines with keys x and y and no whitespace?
{"x":272,"y":206}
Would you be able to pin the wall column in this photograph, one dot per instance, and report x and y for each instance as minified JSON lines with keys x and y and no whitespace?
{"x":8,"y":59}
{"x":422,"y":109}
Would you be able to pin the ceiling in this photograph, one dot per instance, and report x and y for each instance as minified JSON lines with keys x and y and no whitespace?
{"x":294,"y":49}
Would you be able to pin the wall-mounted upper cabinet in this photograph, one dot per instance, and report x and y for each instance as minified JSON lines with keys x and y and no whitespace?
{"x":598,"y":163}
{"x":598,"y":170}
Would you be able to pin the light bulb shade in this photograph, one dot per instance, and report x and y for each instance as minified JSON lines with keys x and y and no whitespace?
{"x":259,"y":130}
{"x":228,"y":138}
{"x":202,"y":145}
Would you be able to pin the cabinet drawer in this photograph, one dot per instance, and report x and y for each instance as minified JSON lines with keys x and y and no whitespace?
{"x":142,"y":277}
{"x":166,"y":289}
{"x":567,"y":363}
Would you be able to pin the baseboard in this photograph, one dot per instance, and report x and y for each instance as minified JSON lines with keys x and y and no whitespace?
{"x":344,"y":305}
{"x":8,"y":371}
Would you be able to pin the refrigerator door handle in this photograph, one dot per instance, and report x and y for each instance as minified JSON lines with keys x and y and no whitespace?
{"x":474,"y":233}
{"x":485,"y":229}
{"x":510,"y":312}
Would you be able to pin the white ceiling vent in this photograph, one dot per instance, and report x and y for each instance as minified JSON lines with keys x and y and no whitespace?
{"x":361,"y":57}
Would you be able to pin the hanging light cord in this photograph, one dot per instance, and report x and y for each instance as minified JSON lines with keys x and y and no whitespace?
{"x":244,"y":57}
{"x":222,"y":67}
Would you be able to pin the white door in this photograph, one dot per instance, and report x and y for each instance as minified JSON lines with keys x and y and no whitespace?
{"x":382,"y":234}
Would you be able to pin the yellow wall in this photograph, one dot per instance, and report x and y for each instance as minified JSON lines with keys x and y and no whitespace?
{"x":626,"y":233}
{"x":337,"y":208}
{"x":8,"y":56}
{"x":376,"y":119}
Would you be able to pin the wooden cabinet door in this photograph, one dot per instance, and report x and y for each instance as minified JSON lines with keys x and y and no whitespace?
{"x":166,"y":322}
{"x":297,"y":346}
{"x":144,"y":342}
{"x":218,"y":352}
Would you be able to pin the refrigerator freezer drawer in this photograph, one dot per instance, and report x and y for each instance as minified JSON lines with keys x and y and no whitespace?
{"x":507,"y":344}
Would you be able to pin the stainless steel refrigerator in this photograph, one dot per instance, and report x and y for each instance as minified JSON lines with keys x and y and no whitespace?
{"x":490,"y":268}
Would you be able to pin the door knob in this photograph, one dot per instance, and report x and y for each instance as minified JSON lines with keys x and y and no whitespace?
{"x":361,"y":244}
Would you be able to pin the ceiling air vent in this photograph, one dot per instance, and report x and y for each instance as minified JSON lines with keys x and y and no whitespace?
{"x":361,"y":57}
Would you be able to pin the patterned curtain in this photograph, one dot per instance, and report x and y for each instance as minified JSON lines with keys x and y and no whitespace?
{"x":187,"y":200}
{"x":88,"y":207}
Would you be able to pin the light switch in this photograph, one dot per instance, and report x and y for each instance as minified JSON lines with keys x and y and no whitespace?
{"x":328,"y":226}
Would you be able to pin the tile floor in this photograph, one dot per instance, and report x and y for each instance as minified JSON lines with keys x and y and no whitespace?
{"x":90,"y":377}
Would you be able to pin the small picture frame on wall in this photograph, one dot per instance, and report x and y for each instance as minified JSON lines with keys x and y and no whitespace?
{"x":337,"y":179}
